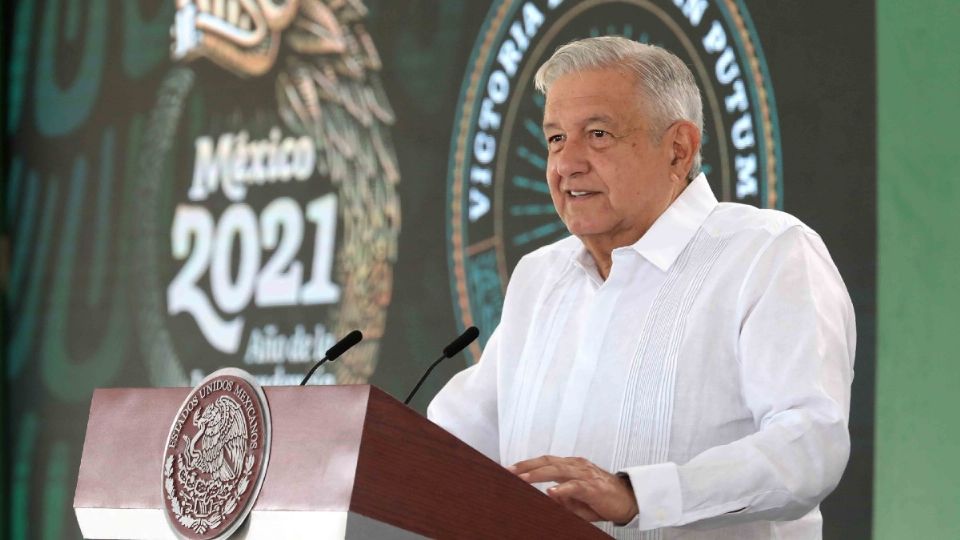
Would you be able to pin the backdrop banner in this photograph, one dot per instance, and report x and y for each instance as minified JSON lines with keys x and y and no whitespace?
{"x":198,"y":184}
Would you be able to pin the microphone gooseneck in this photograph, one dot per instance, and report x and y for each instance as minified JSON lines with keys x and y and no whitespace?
{"x":334,"y":352}
{"x":449,"y":351}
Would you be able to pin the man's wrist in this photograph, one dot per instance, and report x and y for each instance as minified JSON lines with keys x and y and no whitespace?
{"x":625,"y":480}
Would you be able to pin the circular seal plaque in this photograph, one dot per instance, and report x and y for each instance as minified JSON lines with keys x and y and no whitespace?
{"x":499,"y":205}
{"x":216,"y":455}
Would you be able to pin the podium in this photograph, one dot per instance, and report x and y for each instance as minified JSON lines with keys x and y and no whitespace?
{"x":345,"y":462}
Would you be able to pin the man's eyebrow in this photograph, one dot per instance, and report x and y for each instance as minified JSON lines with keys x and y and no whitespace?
{"x":599,"y":118}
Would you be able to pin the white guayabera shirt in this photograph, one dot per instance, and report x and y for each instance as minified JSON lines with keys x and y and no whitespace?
{"x":713,"y":366}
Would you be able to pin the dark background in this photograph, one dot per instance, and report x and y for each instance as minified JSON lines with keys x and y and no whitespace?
{"x":821,"y":57}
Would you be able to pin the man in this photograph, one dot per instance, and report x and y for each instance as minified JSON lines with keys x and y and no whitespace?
{"x":676,"y":364}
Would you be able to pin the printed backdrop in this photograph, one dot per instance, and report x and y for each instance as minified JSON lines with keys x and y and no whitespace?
{"x":197,"y":184}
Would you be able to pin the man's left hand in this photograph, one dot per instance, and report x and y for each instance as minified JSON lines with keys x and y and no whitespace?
{"x":583,"y":488}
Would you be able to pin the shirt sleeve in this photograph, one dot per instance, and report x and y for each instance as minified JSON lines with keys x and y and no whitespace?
{"x":795,"y":352}
{"x":467,"y":405}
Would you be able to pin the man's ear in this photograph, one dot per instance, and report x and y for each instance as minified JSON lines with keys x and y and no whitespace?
{"x":685,"y":144}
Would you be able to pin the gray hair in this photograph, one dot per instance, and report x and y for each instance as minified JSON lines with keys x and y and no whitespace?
{"x":664,"y":80}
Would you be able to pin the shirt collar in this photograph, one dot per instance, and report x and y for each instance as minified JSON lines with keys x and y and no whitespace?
{"x":673,"y":230}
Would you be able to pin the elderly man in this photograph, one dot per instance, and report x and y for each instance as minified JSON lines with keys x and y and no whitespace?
{"x":677,"y":363}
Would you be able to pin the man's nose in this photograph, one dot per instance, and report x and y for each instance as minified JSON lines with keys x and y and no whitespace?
{"x":571,"y":160}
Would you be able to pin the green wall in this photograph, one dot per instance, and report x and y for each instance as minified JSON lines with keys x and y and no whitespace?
{"x":917,"y":489}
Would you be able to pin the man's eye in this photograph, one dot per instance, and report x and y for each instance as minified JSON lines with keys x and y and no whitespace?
{"x":599,"y":133}
{"x":555,"y":139}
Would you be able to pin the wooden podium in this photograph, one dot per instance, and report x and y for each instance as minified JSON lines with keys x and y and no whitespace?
{"x":345,"y":462}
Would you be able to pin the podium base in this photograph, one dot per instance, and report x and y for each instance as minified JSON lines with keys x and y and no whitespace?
{"x":148,"y":523}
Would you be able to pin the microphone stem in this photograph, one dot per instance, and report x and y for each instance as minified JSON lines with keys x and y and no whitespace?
{"x":310,"y":373}
{"x":420,"y":382}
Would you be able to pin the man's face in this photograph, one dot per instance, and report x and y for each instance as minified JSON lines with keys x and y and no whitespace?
{"x":608,"y":180}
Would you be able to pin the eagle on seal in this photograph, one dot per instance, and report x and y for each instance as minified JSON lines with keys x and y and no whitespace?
{"x":223,"y":439}
{"x":328,"y":87}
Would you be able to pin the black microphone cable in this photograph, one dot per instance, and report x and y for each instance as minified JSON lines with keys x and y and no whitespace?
{"x":332,"y":353}
{"x":449,"y":351}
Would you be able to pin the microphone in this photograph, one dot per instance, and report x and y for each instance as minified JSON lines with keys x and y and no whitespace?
{"x":334,"y":352}
{"x":449,"y":351}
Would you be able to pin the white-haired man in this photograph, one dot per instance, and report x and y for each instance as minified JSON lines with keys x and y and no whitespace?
{"x":677,"y":364}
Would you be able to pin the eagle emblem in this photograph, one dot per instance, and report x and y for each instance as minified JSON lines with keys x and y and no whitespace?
{"x":216,"y":455}
{"x":222,"y":435}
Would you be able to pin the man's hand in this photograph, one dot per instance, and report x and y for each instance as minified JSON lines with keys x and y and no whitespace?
{"x":583,"y":488}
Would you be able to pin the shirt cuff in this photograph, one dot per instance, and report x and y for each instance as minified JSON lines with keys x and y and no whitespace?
{"x":657,"y":490}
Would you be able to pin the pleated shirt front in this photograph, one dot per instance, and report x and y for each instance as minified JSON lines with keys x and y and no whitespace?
{"x":713,"y":366}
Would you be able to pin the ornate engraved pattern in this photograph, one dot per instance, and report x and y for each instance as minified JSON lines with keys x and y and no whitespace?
{"x":202,"y":505}
{"x":216,"y":456}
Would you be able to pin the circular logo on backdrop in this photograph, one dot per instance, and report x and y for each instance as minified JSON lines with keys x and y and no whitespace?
{"x":215,"y":456}
{"x":268,"y":206}
{"x":499,"y":206}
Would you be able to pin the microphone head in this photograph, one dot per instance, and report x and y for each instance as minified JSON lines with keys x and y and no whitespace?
{"x":341,"y":346}
{"x":461,"y":342}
